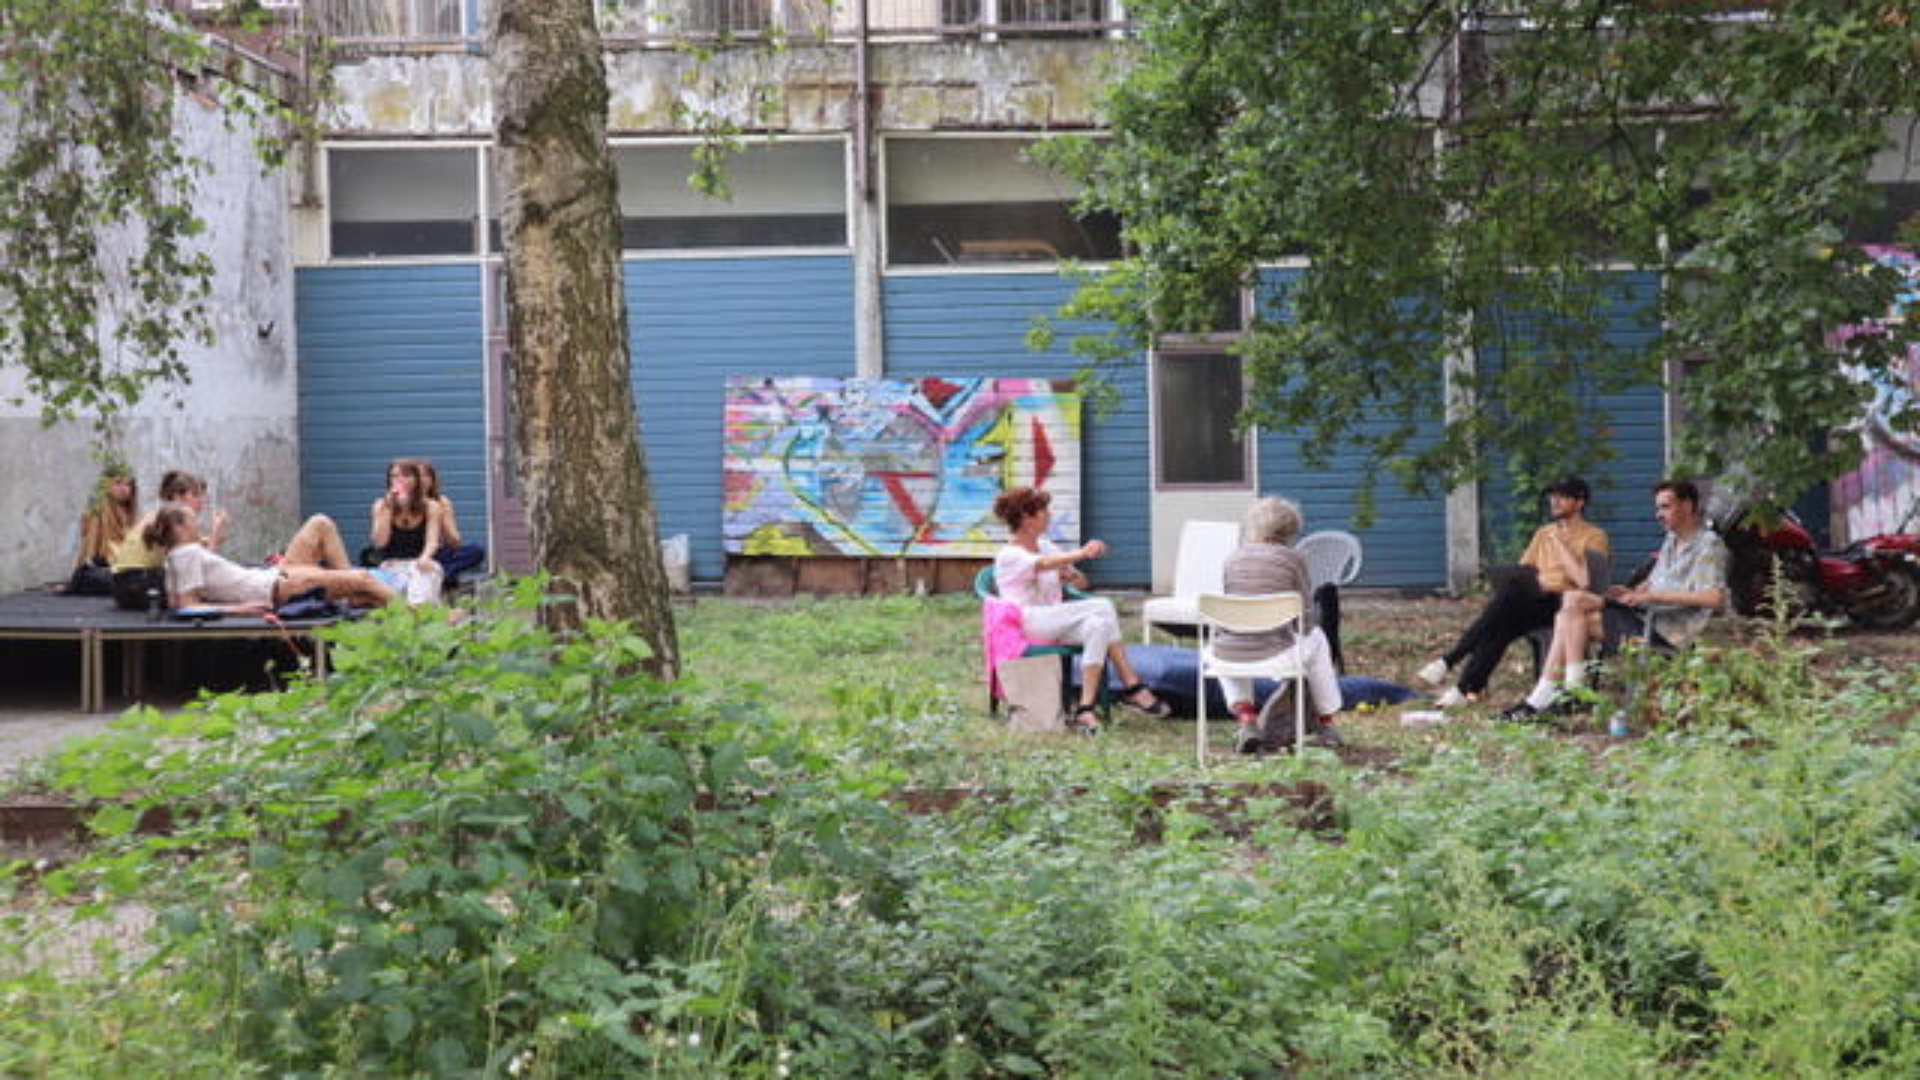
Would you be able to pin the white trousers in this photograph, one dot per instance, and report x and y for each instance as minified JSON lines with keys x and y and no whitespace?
{"x":1315,"y":658}
{"x":1091,"y":624}
{"x":419,"y":586}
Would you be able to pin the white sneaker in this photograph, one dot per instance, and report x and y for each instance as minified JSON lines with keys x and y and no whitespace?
{"x":1452,"y":699}
{"x":1434,"y":673}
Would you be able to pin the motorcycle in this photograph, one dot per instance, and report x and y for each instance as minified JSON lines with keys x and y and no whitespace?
{"x":1875,"y":582}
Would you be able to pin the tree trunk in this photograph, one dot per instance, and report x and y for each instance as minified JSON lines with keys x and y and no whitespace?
{"x":576,"y":430}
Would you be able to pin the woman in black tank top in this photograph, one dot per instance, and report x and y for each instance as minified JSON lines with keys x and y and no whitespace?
{"x":405,"y":531}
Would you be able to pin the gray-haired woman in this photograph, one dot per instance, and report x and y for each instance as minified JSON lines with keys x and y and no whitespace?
{"x":1266,"y":563}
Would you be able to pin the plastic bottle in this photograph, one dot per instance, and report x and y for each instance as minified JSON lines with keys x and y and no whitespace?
{"x":153,"y":604}
{"x":1617,"y":724}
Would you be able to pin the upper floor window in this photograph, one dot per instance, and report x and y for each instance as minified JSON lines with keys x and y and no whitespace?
{"x":783,"y":194}
{"x":349,"y":20}
{"x":1895,"y":204}
{"x":961,"y":201}
{"x":402,"y":202}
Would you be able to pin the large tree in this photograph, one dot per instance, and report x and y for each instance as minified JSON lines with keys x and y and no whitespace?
{"x":576,"y":430}
{"x":1461,"y":177}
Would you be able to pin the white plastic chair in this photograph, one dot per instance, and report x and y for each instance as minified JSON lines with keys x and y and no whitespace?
{"x":1197,"y":568}
{"x":1332,"y":557}
{"x":1250,"y":615}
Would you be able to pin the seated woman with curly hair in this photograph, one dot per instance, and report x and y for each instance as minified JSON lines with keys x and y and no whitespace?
{"x":1028,"y":573}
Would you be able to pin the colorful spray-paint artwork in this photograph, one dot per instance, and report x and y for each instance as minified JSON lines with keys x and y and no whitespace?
{"x":1883,"y":494}
{"x":891,"y":467}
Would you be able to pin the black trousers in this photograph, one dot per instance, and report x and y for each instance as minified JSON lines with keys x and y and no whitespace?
{"x":1516,"y":610}
{"x":1326,"y":614}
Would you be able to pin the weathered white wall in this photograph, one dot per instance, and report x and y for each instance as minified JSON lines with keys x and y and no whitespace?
{"x":803,"y":89}
{"x":235,"y":423}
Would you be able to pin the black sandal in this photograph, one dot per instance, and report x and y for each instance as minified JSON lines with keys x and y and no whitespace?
{"x":1084,"y":721}
{"x":1159,"y":710}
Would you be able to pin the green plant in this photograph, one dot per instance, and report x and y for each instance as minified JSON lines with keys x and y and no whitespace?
{"x":473,"y":846}
{"x":631,"y":878}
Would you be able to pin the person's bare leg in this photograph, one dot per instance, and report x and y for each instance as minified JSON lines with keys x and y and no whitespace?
{"x":318,"y":543}
{"x":1582,"y":611}
{"x":1090,"y":678}
{"x":1117,"y":656}
{"x":1570,"y":633}
{"x":355,"y":587}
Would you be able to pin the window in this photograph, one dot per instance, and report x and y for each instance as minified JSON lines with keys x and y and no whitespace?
{"x":785,"y":194}
{"x":1013,"y":13}
{"x":968,"y":201}
{"x":1894,"y":206}
{"x":402,"y":202}
{"x":1196,"y":399}
{"x":690,"y":18}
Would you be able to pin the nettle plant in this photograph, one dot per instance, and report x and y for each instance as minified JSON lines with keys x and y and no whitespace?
{"x":474,"y":848}
{"x":1461,"y":185}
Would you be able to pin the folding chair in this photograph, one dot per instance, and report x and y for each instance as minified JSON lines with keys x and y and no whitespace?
{"x":1250,"y":615}
{"x":1204,"y":547}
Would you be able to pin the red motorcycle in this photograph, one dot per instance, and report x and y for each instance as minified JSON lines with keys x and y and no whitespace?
{"x":1875,"y":583}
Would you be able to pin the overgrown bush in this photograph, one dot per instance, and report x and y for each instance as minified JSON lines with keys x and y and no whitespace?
{"x":475,"y":851}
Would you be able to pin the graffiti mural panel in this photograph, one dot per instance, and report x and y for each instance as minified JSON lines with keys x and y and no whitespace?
{"x":893,"y":467}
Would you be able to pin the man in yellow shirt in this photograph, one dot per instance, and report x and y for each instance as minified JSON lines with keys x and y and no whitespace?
{"x":1557,"y":560}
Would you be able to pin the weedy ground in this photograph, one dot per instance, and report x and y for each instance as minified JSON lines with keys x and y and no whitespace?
{"x":476,"y":852}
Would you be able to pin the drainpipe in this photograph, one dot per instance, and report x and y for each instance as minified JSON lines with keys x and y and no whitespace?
{"x":1463,"y":501}
{"x":869,"y":332}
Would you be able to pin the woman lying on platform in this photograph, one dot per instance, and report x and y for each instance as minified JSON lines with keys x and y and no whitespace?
{"x":197,"y":576}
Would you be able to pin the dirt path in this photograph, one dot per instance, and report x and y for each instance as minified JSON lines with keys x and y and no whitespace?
{"x":35,"y":726}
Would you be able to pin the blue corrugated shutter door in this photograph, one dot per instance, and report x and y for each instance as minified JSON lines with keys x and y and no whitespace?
{"x":391,"y":365}
{"x":693,"y":323}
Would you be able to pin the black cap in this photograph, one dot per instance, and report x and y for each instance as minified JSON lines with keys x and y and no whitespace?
{"x":1571,"y":486}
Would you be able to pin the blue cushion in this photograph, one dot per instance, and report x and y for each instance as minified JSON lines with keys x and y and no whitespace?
{"x":1169,"y":671}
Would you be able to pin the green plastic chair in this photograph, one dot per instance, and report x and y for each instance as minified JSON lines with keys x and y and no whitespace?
{"x":985,"y":585}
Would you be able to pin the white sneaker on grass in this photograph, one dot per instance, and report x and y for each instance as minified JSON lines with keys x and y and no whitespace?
{"x":1434,"y":673}
{"x":1452,"y":698}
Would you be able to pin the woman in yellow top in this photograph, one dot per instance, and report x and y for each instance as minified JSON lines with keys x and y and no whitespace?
{"x":108,"y":517}
{"x":106,"y":520}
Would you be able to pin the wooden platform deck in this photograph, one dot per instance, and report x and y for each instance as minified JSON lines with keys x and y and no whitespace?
{"x":91,"y":623}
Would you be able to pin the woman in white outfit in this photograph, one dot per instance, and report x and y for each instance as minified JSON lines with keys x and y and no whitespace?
{"x":1263,"y":564}
{"x":1029,"y":572}
{"x":197,"y":576}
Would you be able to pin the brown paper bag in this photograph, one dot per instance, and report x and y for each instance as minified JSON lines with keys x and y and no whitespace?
{"x":1032,"y":688}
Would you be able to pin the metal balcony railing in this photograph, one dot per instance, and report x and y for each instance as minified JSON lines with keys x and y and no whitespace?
{"x":404,"y":25}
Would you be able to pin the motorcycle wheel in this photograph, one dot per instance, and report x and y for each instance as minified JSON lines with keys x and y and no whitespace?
{"x":1898,"y":608}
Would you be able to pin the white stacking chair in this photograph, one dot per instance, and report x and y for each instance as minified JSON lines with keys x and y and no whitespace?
{"x":1333,"y":557}
{"x":1250,"y":615}
{"x":1197,"y":568}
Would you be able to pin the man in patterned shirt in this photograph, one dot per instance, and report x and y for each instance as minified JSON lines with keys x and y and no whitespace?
{"x":1687,"y":585}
